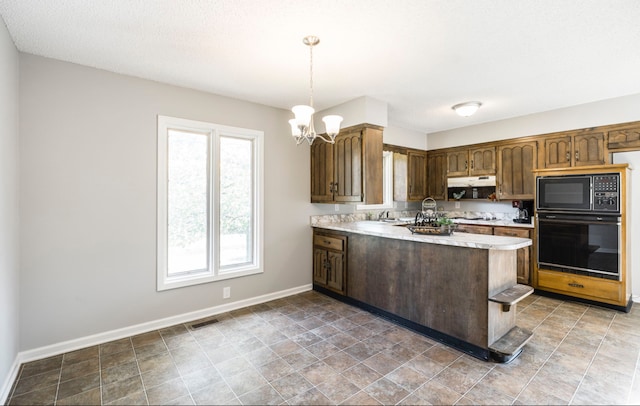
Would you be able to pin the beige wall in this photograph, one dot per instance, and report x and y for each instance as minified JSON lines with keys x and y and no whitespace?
{"x":9,"y":275}
{"x":612,"y":111}
{"x":88,"y":199}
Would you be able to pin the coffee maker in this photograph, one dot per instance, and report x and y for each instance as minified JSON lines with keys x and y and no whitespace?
{"x":525,"y":211}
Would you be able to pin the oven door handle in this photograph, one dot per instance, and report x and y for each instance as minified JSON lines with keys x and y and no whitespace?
{"x":596,"y":221}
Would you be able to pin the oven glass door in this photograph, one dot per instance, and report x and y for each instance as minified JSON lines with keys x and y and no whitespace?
{"x":564,"y":193}
{"x":587,"y":245}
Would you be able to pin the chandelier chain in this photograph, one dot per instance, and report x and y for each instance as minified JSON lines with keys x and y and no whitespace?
{"x":311,"y":75}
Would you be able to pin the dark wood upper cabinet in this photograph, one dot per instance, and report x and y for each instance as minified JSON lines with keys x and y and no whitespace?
{"x":584,"y":149}
{"x":624,"y":139}
{"x":471,"y":162}
{"x":437,"y":175}
{"x":514,"y":175}
{"x":409,"y":174}
{"x":349,"y":171}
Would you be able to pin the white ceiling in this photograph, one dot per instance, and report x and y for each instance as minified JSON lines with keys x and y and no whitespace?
{"x":420,"y":56}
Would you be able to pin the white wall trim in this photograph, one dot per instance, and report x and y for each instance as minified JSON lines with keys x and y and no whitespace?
{"x":6,"y":386}
{"x":95,"y":339}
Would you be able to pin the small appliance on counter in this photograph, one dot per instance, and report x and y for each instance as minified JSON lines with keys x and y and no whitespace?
{"x":525,"y":211}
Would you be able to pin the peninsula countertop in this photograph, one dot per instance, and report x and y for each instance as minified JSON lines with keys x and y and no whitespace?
{"x":459,"y":239}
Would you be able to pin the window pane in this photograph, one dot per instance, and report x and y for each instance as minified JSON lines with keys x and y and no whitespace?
{"x":187,"y":202}
{"x":236,"y":201}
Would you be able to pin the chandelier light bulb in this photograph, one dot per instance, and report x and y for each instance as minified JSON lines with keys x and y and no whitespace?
{"x":332,"y":124}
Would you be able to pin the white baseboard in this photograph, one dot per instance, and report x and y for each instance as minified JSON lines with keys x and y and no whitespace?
{"x":635,"y":298}
{"x":8,"y":383}
{"x":95,"y":339}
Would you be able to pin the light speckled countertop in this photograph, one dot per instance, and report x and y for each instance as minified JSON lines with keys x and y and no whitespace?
{"x":385,"y":230}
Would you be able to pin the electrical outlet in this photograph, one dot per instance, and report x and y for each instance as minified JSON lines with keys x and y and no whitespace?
{"x":457,"y":205}
{"x":226,"y":292}
{"x":337,"y":207}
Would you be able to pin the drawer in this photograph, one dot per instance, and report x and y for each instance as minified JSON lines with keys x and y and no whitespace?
{"x":582,"y":286}
{"x":325,"y":241}
{"x":467,"y":228}
{"x":511,"y":232}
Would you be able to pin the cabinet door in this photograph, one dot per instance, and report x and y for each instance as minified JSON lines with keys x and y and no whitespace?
{"x":483,"y":161}
{"x":320,"y":266}
{"x":589,"y":149}
{"x":473,"y":229}
{"x":557,"y":152}
{"x":348,"y":168}
{"x":523,"y":254}
{"x":515,"y":165}
{"x":322,"y":167}
{"x":624,"y":139}
{"x":335,"y":277}
{"x":458,"y":163}
{"x":436,"y":176}
{"x":417,"y":174}
{"x":400,"y":177}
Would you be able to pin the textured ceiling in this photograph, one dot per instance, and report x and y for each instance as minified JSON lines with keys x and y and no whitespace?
{"x":420,"y":56}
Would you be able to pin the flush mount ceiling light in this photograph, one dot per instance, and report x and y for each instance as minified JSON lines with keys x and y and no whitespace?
{"x":467,"y":109}
{"x":302,"y":125}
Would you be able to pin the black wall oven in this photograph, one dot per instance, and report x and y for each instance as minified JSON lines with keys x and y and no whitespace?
{"x":579,"y":224}
{"x":581,"y":244}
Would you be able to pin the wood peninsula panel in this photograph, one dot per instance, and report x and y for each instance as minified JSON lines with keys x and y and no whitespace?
{"x":417,"y":281}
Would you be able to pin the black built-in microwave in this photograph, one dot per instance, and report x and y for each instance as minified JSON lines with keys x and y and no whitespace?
{"x":598,"y":193}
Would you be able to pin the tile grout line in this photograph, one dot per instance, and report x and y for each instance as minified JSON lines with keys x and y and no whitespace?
{"x":592,"y":358}
{"x":555,"y":349}
{"x":634,"y":379}
{"x":135,"y":355}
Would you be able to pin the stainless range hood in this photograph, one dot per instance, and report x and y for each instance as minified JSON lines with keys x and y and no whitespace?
{"x":472,"y":181}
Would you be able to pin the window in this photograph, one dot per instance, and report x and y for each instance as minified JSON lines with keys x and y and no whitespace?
{"x":209,"y":202}
{"x":387,"y":184}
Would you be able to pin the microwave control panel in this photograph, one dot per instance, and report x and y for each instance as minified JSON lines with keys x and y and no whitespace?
{"x":606,"y":192}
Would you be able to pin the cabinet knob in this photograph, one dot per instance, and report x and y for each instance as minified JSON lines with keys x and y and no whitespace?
{"x":568,"y":157}
{"x":577,"y":159}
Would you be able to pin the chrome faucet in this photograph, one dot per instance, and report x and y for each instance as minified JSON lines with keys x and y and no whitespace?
{"x":382,"y":214}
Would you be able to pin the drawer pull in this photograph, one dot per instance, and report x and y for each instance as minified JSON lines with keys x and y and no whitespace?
{"x":327,"y":242}
{"x":576,"y":285}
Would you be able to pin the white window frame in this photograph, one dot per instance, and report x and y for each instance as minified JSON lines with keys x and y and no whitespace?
{"x":387,"y":185}
{"x":214,"y":272}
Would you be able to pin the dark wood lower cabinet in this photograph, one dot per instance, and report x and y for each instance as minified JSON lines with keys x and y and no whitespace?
{"x":329,"y":264}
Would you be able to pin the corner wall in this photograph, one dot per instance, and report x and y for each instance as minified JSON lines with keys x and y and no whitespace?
{"x":9,"y":248}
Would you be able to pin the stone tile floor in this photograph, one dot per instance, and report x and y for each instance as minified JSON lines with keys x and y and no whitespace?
{"x":311,"y":349}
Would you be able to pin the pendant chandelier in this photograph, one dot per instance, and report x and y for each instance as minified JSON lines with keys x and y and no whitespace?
{"x":302,"y":125}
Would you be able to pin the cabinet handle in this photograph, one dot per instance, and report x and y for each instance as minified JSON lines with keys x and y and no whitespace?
{"x":466,"y":166}
{"x":577,"y":158}
{"x":576,"y":285}
{"x":472,"y":164}
{"x":568,"y":157}
{"x":331,"y":187}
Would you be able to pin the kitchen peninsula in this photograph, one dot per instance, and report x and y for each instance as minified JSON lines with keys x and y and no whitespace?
{"x":459,"y":289}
